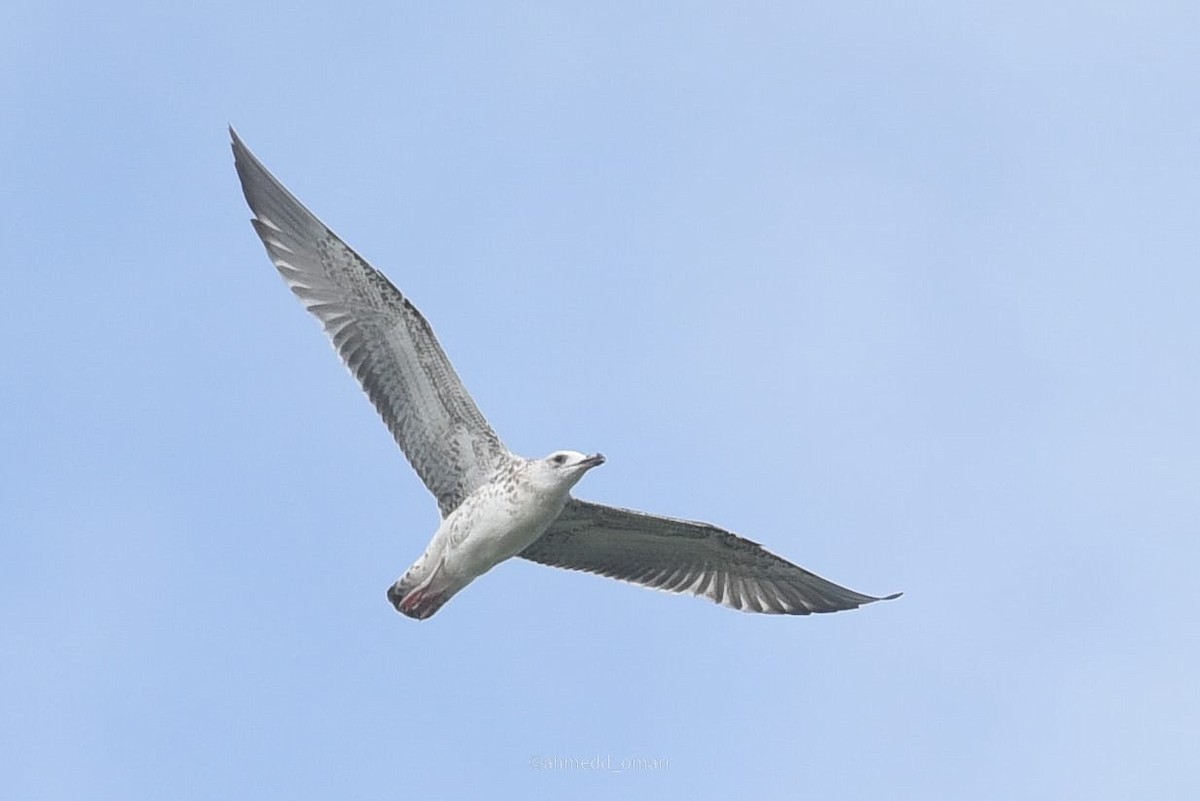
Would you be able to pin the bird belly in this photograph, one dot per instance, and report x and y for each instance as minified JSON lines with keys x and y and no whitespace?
{"x":493,"y":530}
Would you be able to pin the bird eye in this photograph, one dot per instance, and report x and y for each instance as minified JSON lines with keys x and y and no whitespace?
{"x":559,"y":458}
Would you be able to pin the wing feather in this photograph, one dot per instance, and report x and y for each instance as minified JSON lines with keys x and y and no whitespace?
{"x":381,"y":337}
{"x":686,"y":556}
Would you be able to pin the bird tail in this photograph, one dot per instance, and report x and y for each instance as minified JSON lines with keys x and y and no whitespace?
{"x":419,"y":596}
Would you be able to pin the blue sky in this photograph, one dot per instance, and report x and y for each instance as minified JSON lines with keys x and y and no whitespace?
{"x":906,"y":294}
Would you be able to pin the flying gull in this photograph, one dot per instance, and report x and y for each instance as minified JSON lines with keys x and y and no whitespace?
{"x":495,"y":504}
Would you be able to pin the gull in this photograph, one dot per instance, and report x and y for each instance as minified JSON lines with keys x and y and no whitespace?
{"x":495,"y":504}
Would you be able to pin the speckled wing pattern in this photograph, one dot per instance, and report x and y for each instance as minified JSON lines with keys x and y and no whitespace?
{"x":684,"y":556}
{"x":382,"y":338}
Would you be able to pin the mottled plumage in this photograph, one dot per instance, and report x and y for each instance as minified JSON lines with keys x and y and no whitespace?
{"x":494,"y":504}
{"x":381,"y":337}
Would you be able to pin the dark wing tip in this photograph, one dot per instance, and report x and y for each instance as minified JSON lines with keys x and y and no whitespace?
{"x":235,"y":141}
{"x":871,"y":599}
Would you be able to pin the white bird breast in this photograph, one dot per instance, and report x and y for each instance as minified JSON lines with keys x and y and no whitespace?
{"x":495,"y":523}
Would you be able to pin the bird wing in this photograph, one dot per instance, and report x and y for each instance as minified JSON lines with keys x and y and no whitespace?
{"x":382,"y":338}
{"x":685,"y":556}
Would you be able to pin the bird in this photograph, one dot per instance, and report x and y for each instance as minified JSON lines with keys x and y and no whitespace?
{"x":494,"y":504}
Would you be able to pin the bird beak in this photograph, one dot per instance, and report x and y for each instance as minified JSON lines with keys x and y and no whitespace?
{"x":595,"y":460}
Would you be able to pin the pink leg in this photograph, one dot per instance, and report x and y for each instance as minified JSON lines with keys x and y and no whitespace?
{"x":422,"y":602}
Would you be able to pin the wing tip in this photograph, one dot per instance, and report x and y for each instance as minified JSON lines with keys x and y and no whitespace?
{"x":236,"y":142}
{"x":856,"y":601}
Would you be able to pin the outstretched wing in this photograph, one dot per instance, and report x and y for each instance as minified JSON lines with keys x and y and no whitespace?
{"x":683,"y":556}
{"x":381,"y":337}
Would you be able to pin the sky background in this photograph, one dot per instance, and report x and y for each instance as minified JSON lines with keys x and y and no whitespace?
{"x":908,"y":293}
